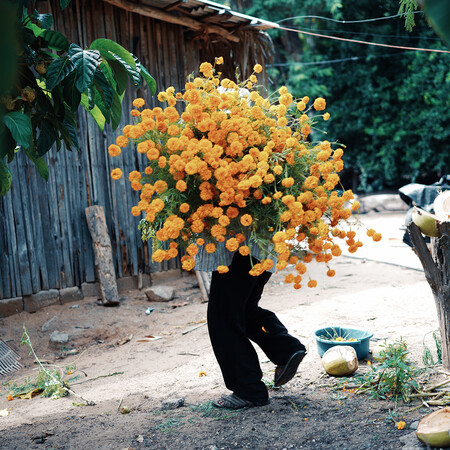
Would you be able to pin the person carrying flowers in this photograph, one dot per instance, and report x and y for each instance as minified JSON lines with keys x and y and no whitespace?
{"x":235,"y":186}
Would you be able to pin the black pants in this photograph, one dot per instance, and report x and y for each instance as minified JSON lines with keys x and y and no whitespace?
{"x":234,"y":317}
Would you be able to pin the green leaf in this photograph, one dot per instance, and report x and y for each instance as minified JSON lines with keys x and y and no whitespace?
{"x":104,"y":87}
{"x":19,"y":125}
{"x":94,"y":112}
{"x":5,"y":178}
{"x":151,"y":82}
{"x":47,"y":137}
{"x":438,"y":12}
{"x":71,"y":95}
{"x":107,"y":45}
{"x":130,"y":70}
{"x":116,"y":110}
{"x":55,"y":40}
{"x":36,"y":30}
{"x":40,"y":164}
{"x":45,"y":19}
{"x":64,"y":3}
{"x":120,"y":74}
{"x":85,"y":62}
{"x":72,"y":132}
{"x":98,"y":101}
{"x":57,"y":71}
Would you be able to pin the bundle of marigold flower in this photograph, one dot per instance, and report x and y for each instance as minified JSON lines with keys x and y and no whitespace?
{"x":237,"y":168}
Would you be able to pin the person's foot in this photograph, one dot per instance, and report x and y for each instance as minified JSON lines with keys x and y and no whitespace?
{"x":285,"y":373}
{"x":235,"y":402}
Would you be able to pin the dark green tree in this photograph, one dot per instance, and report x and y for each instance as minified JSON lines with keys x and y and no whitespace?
{"x":53,"y":78}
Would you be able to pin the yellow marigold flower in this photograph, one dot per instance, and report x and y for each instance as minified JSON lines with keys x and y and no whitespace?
{"x":305,"y":99}
{"x":283,"y":90}
{"x":319,"y":104}
{"x":355,"y":205}
{"x":206,"y":69}
{"x":188,"y":263}
{"x":210,"y":248}
{"x":138,"y":102}
{"x":116,"y":174}
{"x":202,"y":374}
{"x":246,"y":220}
{"x":301,"y":106}
{"x":257,"y":68}
{"x":312,"y":283}
{"x":184,"y":207}
{"x":122,"y":141}
{"x":401,"y":425}
{"x":219,"y":60}
{"x":326,"y":116}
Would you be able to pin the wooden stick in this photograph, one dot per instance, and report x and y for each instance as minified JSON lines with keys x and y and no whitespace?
{"x":432,"y":388}
{"x":182,"y":20}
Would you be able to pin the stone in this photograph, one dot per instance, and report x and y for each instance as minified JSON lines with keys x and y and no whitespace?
{"x":160,"y":293}
{"x":70,"y":294}
{"x":10,"y":306}
{"x":34,"y":302}
{"x":58,"y":337}
{"x":410,"y":442}
{"x":91,"y":290}
{"x":381,"y":203}
{"x":172,"y":403}
{"x":49,"y":325}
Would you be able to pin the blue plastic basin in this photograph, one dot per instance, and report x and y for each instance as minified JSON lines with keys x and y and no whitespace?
{"x":361,"y":345}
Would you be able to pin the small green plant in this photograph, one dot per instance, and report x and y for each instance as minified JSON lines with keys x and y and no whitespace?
{"x":207,"y":409}
{"x":395,"y":377}
{"x":49,"y":381}
{"x":427,"y":355}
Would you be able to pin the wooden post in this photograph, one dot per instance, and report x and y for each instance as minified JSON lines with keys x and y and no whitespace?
{"x":95,"y":216}
{"x":436,"y":266}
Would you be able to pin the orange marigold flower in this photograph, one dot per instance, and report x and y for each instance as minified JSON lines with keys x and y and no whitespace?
{"x":289,"y":278}
{"x":376,"y":237}
{"x":181,"y":185}
{"x":114,"y":150}
{"x":370,"y":232}
{"x":10,"y":398}
{"x":246,"y":220}
{"x":401,"y":425}
{"x":192,"y":249}
{"x":232,"y":244}
{"x":288,"y":182}
{"x":116,"y":174}
{"x":312,"y":283}
{"x":138,"y":102}
{"x":244,"y":250}
{"x":135,"y":113}
{"x":222,"y":269}
{"x":331,"y":273}
{"x":210,"y":248}
{"x":232,"y":212}
{"x":135,"y":211}
{"x":158,"y":255}
{"x":319,"y":104}
{"x":184,"y":207}
{"x":200,"y":241}
{"x":122,"y":141}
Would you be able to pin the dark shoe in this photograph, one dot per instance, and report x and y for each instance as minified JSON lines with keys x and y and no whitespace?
{"x":234,"y":402}
{"x":283,"y":374}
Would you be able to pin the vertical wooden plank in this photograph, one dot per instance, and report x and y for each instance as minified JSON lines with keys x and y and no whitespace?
{"x":5,"y":285}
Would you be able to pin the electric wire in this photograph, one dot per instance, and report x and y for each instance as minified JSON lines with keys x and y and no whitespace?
{"x":348,"y":21}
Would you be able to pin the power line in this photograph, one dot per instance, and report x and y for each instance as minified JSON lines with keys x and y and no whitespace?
{"x":332,"y":61}
{"x":376,"y":44}
{"x":348,"y":21}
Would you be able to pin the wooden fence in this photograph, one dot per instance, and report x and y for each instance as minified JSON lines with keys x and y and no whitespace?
{"x":44,"y":239}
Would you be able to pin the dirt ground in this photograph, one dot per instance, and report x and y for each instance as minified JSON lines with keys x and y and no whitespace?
{"x":117,"y":367}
